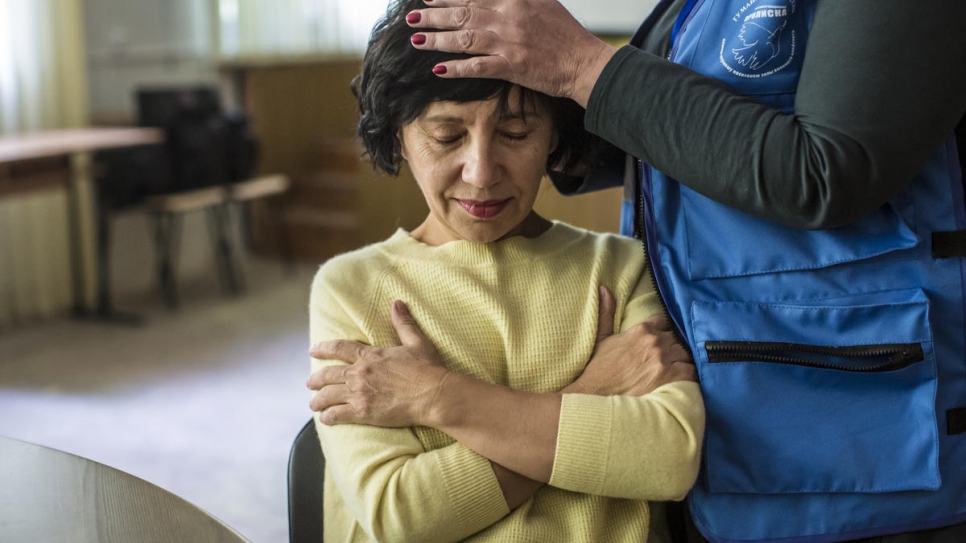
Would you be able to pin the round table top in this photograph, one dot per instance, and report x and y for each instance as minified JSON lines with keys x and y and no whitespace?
{"x":52,"y":496}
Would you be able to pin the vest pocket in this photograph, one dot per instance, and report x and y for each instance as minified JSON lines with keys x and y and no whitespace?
{"x":818,"y":398}
{"x":723,"y":242}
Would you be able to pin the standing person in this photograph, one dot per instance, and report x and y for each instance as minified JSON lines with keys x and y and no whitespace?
{"x":828,"y":325}
{"x":489,"y":423}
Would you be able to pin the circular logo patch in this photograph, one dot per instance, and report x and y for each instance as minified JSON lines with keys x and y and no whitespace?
{"x":763,"y":39}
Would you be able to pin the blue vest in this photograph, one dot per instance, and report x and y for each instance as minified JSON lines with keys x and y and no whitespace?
{"x":832,"y":362}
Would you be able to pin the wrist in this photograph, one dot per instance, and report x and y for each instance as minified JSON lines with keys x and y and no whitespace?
{"x":442,"y":407}
{"x":574,"y":388}
{"x":597,"y":55}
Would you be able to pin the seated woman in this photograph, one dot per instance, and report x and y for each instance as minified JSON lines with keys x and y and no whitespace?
{"x":488,"y":423}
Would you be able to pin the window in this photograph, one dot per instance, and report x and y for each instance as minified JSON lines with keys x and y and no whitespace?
{"x":294,"y":27}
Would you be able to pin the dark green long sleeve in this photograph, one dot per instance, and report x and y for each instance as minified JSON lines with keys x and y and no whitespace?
{"x":883,"y":83}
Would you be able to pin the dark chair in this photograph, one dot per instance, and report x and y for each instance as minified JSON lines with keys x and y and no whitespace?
{"x":213,"y":157}
{"x":306,"y":473}
{"x":245,"y":187}
{"x":124,"y":178}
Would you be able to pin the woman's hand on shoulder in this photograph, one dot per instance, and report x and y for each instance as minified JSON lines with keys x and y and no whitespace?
{"x":634,"y":362}
{"x":379,"y":386}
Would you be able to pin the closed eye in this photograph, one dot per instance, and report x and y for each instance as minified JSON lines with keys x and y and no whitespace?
{"x":447,"y":141}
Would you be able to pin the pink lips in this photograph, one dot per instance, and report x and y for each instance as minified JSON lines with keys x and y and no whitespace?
{"x":484,"y":210}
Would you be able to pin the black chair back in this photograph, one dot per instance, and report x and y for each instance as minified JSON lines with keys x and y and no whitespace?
{"x":127,"y":175}
{"x":306,"y":473}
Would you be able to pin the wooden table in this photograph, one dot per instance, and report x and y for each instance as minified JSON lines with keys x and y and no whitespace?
{"x":41,"y":160}
{"x":51,"y":496}
{"x":49,"y":143}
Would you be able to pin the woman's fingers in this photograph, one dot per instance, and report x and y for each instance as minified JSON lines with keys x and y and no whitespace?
{"x":408,"y":330}
{"x":339,"y":349}
{"x":605,"y":313}
{"x":330,"y":395}
{"x":452,"y":41}
{"x":455,"y":15}
{"x":329,"y":375}
{"x":338,"y":414}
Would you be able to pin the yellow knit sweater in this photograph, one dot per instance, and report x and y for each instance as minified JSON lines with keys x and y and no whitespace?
{"x":522,"y":313}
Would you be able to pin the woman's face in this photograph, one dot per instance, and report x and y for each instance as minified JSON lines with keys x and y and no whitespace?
{"x":478,"y":170}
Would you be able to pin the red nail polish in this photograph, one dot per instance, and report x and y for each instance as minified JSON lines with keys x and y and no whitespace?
{"x":414,"y":18}
{"x":439,"y":70}
{"x":419,"y":39}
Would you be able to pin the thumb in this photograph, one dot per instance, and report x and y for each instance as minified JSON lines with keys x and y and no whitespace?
{"x":606,"y":309}
{"x":405,"y":325}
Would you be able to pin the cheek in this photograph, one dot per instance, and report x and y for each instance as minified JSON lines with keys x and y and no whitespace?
{"x":433,"y":180}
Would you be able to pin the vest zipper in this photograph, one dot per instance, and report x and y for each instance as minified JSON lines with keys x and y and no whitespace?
{"x":641,"y":233}
{"x":857,"y":358}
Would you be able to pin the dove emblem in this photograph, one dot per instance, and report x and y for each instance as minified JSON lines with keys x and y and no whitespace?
{"x":760,"y":45}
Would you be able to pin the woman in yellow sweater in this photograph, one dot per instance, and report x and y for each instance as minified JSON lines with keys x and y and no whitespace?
{"x":488,"y":423}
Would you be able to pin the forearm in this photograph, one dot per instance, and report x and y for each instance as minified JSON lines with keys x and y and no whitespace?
{"x":512,"y":428}
{"x":861,"y":128}
{"x":636,"y":447}
{"x":516,"y":488}
{"x":397,"y":491}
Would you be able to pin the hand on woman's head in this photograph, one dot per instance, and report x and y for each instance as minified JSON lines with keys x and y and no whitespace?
{"x":397,"y":84}
{"x":534,"y":43}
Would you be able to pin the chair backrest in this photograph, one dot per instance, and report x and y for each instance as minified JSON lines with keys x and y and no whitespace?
{"x":306,"y":472}
{"x":127,"y":175}
{"x":207,"y":146}
{"x":160,"y":106}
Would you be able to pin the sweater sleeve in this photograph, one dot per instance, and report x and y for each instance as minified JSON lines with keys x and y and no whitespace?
{"x":392,"y":486}
{"x":880,"y":89}
{"x":638,"y":447}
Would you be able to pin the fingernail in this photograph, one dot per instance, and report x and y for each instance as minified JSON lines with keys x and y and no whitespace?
{"x":439,"y":70}
{"x":419,"y":39}
{"x":401,"y":307}
{"x":414,"y":17}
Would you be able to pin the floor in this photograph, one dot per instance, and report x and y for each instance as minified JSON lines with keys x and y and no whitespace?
{"x":203,"y":402}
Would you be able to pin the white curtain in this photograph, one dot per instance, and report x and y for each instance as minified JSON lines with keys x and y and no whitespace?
{"x":42,"y":85}
{"x":293,"y":27}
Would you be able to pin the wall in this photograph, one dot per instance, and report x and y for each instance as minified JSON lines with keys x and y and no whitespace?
{"x":612,"y":17}
{"x":144,"y":42}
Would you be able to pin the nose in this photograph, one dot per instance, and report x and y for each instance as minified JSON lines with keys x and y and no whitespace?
{"x":480,"y":164}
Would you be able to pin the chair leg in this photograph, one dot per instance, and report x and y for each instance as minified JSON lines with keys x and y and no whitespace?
{"x":166,"y":240}
{"x":219,"y":227}
{"x":277,"y":210}
{"x":104,"y":303}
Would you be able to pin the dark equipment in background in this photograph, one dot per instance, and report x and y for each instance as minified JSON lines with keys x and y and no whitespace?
{"x":207,"y":157}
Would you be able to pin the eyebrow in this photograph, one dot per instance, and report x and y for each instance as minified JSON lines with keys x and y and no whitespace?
{"x":442,"y":118}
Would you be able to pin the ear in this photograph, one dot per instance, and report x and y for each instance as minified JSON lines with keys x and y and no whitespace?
{"x":402,"y":145}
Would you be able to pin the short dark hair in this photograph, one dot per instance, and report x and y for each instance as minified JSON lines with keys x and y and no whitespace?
{"x":397,"y":84}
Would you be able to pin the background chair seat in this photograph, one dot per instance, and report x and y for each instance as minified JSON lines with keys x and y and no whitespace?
{"x":258,"y":187}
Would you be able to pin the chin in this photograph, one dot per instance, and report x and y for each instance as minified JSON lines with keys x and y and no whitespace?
{"x":485,"y":236}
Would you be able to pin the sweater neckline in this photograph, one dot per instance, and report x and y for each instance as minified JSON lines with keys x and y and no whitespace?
{"x":511,"y":250}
